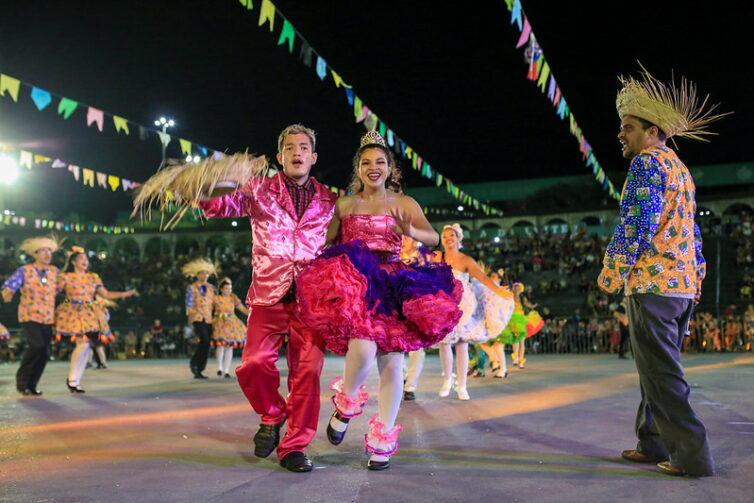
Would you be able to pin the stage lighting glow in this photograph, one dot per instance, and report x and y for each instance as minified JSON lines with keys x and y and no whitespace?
{"x":8,"y":170}
{"x":234,"y":223}
{"x":197,"y":158}
{"x":460,"y":208}
{"x":496,"y":239}
{"x":188,"y":158}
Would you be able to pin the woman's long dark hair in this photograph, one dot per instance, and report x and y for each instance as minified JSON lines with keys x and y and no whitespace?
{"x":68,"y":267}
{"x":393,"y":181}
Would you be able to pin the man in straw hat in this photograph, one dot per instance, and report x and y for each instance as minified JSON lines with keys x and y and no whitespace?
{"x":200,"y":298}
{"x":36,"y":309}
{"x":289,"y":215}
{"x":656,"y":255}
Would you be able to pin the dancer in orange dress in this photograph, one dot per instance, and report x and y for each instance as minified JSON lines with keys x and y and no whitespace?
{"x":227,"y":330}
{"x":76,"y":317}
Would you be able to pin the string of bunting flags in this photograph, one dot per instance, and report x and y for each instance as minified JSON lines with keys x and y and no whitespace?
{"x":540,"y":72}
{"x":89,"y":177}
{"x":42,"y":99}
{"x":10,"y":218}
{"x":362,"y":113}
{"x":66,"y":108}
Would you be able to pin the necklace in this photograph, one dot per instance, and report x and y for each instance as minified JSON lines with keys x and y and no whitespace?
{"x":42,"y":275}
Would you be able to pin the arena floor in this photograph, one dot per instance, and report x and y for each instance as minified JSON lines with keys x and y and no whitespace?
{"x":146,"y":431}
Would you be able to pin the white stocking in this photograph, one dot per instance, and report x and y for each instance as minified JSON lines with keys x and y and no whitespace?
{"x":220,"y":355}
{"x":446,"y":358}
{"x":228,"y":359}
{"x":359,"y":358}
{"x":390,"y":366}
{"x":462,"y":363}
{"x":500,"y":351}
{"x":79,"y":358}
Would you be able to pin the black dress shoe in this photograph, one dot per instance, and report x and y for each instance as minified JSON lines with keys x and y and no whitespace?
{"x":219,"y":373}
{"x":409,"y":396}
{"x":296,"y":462}
{"x":336,"y":437}
{"x":199,"y":375}
{"x":266,"y":439}
{"x":227,"y":376}
{"x":29,"y":391}
{"x":378,"y":465}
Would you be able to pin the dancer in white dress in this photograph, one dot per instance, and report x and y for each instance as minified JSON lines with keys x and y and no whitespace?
{"x":486,"y":310}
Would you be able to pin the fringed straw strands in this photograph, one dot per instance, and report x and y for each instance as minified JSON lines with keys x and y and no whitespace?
{"x":186,"y":184}
{"x":674,"y":109}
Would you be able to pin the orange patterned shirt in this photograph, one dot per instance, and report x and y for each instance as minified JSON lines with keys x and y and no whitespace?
{"x":199,"y":301}
{"x":76,"y":315}
{"x":38,"y":288}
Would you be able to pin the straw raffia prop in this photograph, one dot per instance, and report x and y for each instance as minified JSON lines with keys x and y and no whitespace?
{"x":674,"y":109}
{"x":183,"y":184}
{"x":196,"y":266}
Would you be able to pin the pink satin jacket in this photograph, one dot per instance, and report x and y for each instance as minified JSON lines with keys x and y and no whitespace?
{"x":282,"y":244}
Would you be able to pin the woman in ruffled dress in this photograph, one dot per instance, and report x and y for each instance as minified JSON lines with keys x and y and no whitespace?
{"x":76,"y":317}
{"x":365,"y":302}
{"x":486,"y":308}
{"x":521,"y":325}
{"x":227,"y":330}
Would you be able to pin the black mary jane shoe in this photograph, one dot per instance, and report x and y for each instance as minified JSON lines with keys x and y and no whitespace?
{"x":378,"y":465}
{"x":296,"y":462}
{"x":219,"y":373}
{"x":73,"y":389}
{"x":336,"y":437}
{"x":266,"y":439}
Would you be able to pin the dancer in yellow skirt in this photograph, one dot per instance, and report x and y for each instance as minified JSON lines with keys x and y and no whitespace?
{"x":520,"y":326}
{"x":227,"y":330}
{"x":76,"y":316}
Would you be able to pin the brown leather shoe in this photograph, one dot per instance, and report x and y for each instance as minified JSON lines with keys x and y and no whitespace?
{"x":637,"y":457}
{"x":667,"y":468}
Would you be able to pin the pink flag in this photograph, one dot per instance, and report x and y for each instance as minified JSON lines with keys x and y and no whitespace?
{"x":524,"y":33}
{"x":94,"y":115}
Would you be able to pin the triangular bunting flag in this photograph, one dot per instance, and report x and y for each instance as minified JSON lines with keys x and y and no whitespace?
{"x":267,"y":13}
{"x":336,"y":78}
{"x":102,"y":179}
{"x":390,"y":138}
{"x":66,"y":107}
{"x":75,"y":170}
{"x":41,"y":98}
{"x":114,"y":182}
{"x":321,"y":68}
{"x":57,"y":163}
{"x":11,"y":85}
{"x":349,"y":95}
{"x":120,"y":123}
{"x":305,"y":54}
{"x":247,"y":3}
{"x":185,"y":146}
{"x":126,"y":184}
{"x":95,"y":115}
{"x":543,"y":74}
{"x":516,"y":14}
{"x":287,"y":34}
{"x":25,"y":159}
{"x":203,"y":150}
{"x":41,"y":158}
{"x":164,"y":138}
{"x":524,"y":33}
{"x":88,"y":177}
{"x":551,"y":91}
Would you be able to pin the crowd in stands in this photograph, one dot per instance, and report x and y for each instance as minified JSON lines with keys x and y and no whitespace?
{"x":559,"y":272}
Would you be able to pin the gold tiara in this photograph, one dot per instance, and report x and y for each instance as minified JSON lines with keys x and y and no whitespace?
{"x":372,"y":138}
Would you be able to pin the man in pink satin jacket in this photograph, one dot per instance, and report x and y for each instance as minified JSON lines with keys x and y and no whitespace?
{"x":289,"y":215}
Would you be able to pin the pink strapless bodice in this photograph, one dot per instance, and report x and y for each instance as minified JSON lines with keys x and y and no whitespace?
{"x":374,"y":231}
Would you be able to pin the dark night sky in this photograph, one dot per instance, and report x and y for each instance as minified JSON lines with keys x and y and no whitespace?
{"x":445,"y":76}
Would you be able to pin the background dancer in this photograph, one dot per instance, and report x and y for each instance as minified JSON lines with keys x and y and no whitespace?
{"x":76,"y":317}
{"x":36,"y":309}
{"x":486,"y":307}
{"x":495,"y":348}
{"x":656,"y":256}
{"x":200,"y":297}
{"x":366,"y":302}
{"x":227,"y":330}
{"x":106,"y":336}
{"x":410,"y":251}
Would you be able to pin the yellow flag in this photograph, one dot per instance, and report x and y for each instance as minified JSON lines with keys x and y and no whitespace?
{"x":185,"y":146}
{"x":120,"y":123}
{"x":267,"y":13}
{"x":88,"y":177}
{"x":114,"y":182}
{"x":9,"y":84}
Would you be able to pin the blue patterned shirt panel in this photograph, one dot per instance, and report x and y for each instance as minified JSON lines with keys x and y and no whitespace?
{"x":189,"y":297}
{"x":640,"y":210}
{"x":16,"y":280}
